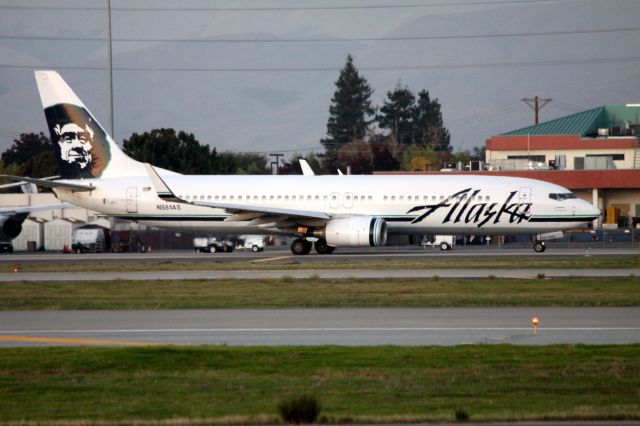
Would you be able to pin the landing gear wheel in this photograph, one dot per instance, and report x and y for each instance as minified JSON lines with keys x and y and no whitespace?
{"x":539,"y":247}
{"x":300,"y":246}
{"x":323,"y":248}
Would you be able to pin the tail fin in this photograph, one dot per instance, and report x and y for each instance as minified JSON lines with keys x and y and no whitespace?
{"x":83,"y":148}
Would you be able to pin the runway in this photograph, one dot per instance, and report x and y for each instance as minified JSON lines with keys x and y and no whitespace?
{"x":352,"y":327}
{"x":343,"y":254}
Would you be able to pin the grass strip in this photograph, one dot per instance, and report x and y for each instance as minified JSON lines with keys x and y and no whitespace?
{"x":320,"y":293}
{"x":372,"y":384}
{"x":214,"y":263}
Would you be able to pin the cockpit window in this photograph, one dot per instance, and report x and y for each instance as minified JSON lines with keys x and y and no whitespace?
{"x":563,"y":196}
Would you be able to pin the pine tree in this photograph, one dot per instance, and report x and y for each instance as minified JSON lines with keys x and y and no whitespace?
{"x":398,"y":113}
{"x":350,"y":110}
{"x":429,"y":128}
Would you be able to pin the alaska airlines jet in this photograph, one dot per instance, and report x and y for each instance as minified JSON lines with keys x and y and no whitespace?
{"x":333,"y":211}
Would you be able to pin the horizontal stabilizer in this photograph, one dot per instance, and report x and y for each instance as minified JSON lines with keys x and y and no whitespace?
{"x":30,"y":209}
{"x":50,"y":183}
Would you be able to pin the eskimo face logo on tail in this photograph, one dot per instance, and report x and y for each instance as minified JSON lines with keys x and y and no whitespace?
{"x":81,"y":144}
{"x":461,"y":208}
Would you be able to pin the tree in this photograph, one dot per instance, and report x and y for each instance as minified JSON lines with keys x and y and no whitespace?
{"x":229,"y":163}
{"x":350,"y":110}
{"x":43,"y":164}
{"x":398,"y":115}
{"x":419,"y":158}
{"x":164,"y":148}
{"x":428,"y":124}
{"x":357,"y":156}
{"x":479,"y":153}
{"x":31,"y":155}
{"x":29,"y":145}
{"x":386,"y":152}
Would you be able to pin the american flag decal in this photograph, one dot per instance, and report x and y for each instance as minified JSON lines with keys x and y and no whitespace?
{"x":146,"y":189}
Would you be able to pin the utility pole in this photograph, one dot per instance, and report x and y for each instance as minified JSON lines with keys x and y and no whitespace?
{"x":110,"y":55}
{"x":536,"y":104}
{"x":275,"y":163}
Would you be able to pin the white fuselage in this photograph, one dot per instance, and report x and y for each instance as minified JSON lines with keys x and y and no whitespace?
{"x":447,"y":204}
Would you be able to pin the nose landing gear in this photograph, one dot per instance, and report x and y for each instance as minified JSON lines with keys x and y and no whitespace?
{"x":539,"y":246}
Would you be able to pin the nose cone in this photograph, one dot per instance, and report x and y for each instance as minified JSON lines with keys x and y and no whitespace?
{"x":589,"y":210}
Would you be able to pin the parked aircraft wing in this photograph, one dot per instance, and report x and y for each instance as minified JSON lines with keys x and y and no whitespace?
{"x":167,"y":194}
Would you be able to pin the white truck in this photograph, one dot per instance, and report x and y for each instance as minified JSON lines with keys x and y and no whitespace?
{"x":88,"y":240}
{"x":255,"y":243}
{"x":212,"y":245}
{"x":445,"y":242}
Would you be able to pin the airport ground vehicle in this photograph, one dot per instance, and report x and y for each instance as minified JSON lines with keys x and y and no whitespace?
{"x":212,"y":245}
{"x":255,"y":243}
{"x":445,"y":242}
{"x":6,"y":247}
{"x":88,"y":240}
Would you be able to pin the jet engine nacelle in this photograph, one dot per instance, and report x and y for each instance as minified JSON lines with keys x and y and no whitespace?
{"x":10,"y":227}
{"x":356,"y":231}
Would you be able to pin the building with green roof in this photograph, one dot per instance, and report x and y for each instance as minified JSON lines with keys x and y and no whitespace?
{"x":618,"y":120}
{"x":605,"y":137}
{"x":594,"y":152}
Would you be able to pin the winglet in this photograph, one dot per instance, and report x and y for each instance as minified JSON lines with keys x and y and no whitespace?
{"x":306,"y":168}
{"x":163,"y":190}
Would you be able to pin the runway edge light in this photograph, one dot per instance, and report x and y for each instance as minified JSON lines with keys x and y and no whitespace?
{"x":535,"y":322}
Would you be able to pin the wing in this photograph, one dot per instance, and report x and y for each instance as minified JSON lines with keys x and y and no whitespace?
{"x":239,"y":211}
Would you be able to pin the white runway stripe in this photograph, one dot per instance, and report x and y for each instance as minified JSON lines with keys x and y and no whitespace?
{"x":321,"y":329}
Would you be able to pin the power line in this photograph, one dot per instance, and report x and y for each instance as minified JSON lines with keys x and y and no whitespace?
{"x":285,"y":8}
{"x":494,"y":65}
{"x":324,"y":40}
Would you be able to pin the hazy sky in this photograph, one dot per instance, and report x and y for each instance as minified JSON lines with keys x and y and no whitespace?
{"x":258,"y":75}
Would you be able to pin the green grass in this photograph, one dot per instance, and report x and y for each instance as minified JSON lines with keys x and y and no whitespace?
{"x":211,"y":263}
{"x":373,"y":384}
{"x":290,"y":293}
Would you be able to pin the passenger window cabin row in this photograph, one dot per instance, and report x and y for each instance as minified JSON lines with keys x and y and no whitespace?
{"x":333,"y":196}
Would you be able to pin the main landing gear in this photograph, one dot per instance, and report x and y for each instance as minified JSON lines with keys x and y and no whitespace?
{"x":322,"y":247}
{"x":301,"y":246}
{"x":539,"y":247}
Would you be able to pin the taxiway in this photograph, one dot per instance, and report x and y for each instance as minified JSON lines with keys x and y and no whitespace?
{"x":440,"y":326}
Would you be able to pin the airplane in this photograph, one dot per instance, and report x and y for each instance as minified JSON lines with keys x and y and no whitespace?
{"x":332,"y":211}
{"x":12,"y":218}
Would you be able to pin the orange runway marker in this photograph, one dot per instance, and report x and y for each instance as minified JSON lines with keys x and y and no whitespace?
{"x":35,"y":339}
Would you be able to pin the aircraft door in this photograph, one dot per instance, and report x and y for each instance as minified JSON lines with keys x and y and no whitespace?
{"x":132,"y":199}
{"x":524,"y":195}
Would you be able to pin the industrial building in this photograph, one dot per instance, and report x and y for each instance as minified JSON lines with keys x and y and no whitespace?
{"x":53,"y":230}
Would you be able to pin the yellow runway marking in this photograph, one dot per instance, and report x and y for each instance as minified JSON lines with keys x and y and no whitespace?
{"x":272,"y":258}
{"x":35,"y":339}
